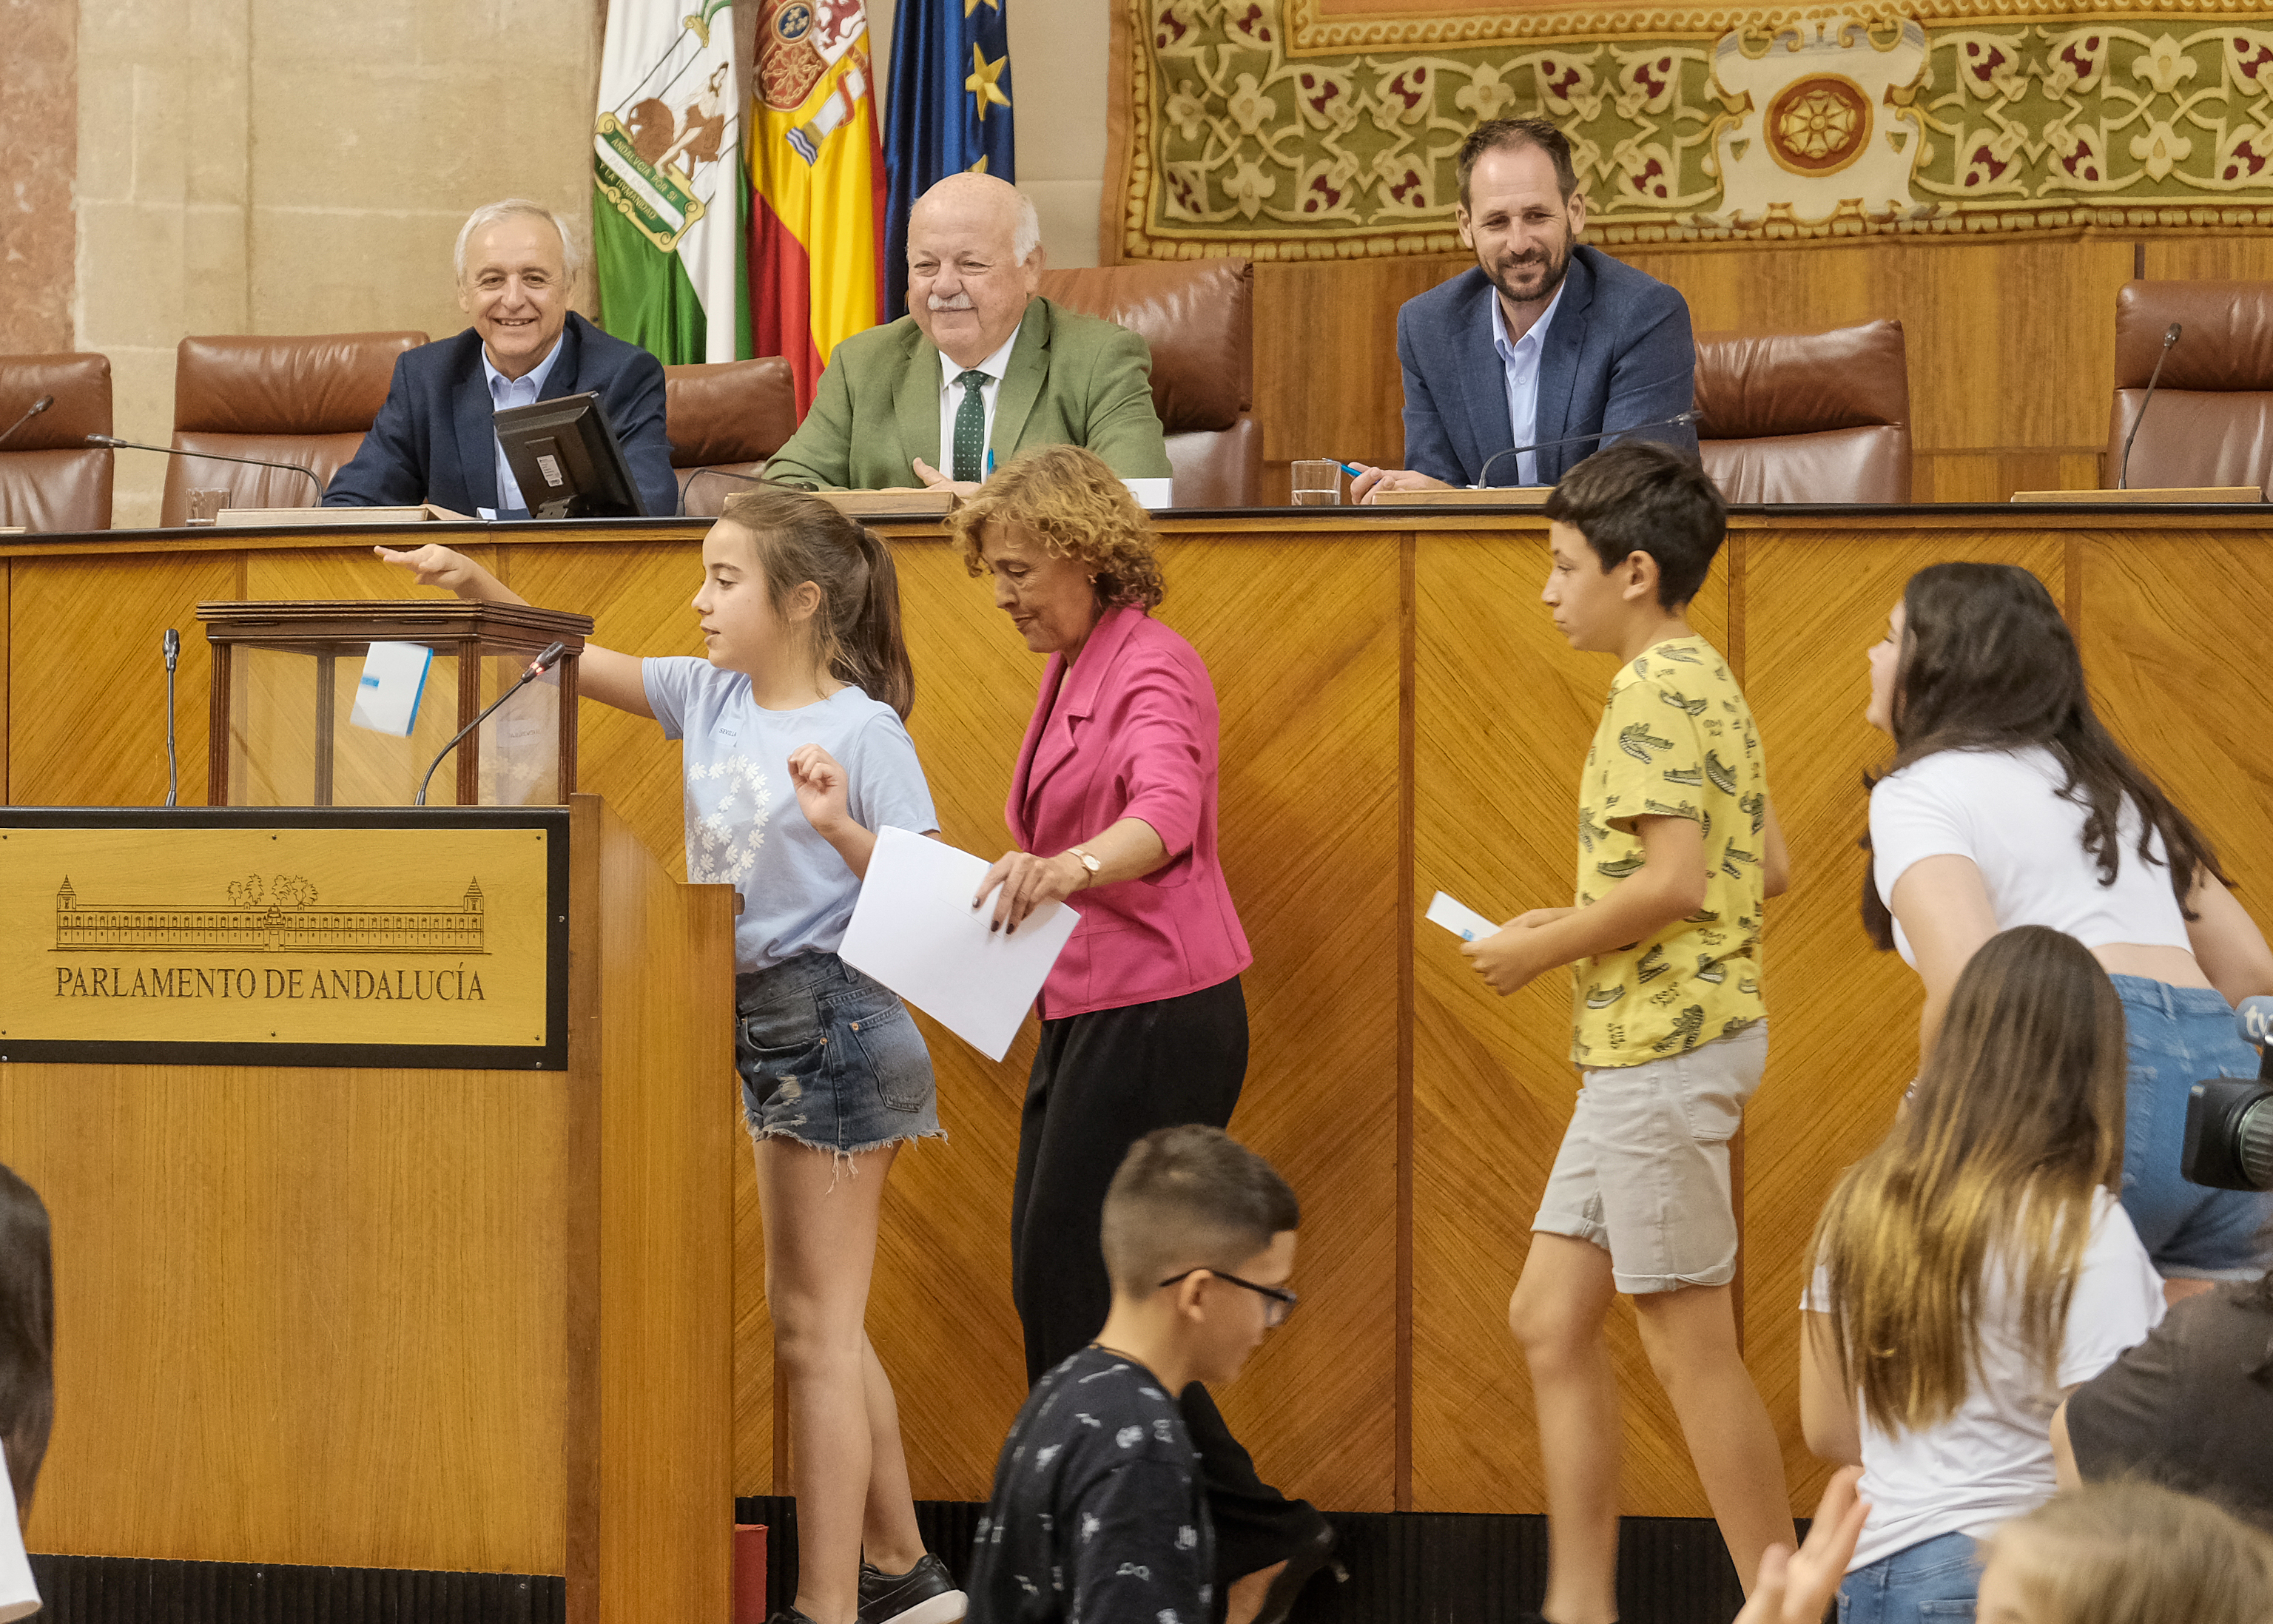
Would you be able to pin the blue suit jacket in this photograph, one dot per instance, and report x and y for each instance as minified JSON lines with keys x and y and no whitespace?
{"x":1620,"y":352}
{"x":435,"y":440}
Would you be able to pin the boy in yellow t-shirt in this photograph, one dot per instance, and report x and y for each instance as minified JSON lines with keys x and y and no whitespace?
{"x":1677,"y":848}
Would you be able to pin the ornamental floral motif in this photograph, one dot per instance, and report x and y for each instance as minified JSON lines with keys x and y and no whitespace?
{"x":1944,"y":122}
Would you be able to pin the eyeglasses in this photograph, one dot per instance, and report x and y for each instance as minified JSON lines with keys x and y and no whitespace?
{"x":1281,"y":1300}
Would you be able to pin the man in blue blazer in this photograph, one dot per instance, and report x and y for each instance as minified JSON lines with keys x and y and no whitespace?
{"x":434,"y":440}
{"x":1543,"y":341}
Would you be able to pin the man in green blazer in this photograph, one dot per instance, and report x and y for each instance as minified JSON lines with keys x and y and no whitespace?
{"x":982,"y":365}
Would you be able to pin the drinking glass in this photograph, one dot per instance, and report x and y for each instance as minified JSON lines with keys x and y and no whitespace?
{"x":1318,"y":483}
{"x":205,"y":506}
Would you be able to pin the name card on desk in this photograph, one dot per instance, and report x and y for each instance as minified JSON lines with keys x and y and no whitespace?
{"x":213,"y":936}
{"x":261,"y":518}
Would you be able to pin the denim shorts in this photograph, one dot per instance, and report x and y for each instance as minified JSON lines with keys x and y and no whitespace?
{"x":1643,"y":1171}
{"x":1933,"y":1582}
{"x":2180,"y":1037}
{"x":830,"y":1058}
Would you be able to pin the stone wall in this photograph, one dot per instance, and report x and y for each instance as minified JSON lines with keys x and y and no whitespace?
{"x":253,"y":166}
{"x":39,"y":146}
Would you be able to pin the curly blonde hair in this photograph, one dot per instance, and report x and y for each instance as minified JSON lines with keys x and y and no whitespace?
{"x":1078,"y":507}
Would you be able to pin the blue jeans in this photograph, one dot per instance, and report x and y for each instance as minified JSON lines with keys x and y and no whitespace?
{"x":1930,"y":1582}
{"x":2180,"y":1036}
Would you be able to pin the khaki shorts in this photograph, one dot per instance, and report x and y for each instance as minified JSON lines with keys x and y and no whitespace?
{"x":1643,"y":1172}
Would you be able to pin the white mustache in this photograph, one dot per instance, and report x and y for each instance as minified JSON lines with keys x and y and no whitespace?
{"x":960,"y":302}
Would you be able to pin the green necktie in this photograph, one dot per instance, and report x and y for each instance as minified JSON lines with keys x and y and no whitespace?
{"x":970,"y":429}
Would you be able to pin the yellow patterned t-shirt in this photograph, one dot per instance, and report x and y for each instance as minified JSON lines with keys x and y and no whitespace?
{"x":1676,"y":739}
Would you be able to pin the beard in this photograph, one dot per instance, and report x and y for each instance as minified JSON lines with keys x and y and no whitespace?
{"x":1533,"y":278}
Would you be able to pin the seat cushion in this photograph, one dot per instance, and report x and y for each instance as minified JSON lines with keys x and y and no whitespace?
{"x":1870,"y":464}
{"x":729,"y":411}
{"x":50,"y":478}
{"x":2192,"y":437}
{"x":318,"y":384}
{"x":1218,"y":467}
{"x":322,"y":454}
{"x":1198,"y":316}
{"x":1754,"y":384}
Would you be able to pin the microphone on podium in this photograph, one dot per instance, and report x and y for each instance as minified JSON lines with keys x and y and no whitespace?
{"x":33,"y":410}
{"x":2170,"y":337}
{"x":171,"y":646}
{"x":538,"y":667}
{"x":1603,"y":434}
{"x":116,"y":444}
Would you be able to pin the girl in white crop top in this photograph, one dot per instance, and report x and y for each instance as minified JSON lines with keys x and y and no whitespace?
{"x":2008,"y":804}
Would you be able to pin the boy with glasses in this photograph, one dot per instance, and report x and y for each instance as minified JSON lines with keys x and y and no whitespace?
{"x":1097,"y":1512}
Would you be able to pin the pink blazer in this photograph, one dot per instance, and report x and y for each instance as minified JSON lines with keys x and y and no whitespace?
{"x":1132,"y":735}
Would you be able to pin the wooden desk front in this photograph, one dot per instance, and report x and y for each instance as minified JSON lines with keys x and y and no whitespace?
{"x":1398,"y":716}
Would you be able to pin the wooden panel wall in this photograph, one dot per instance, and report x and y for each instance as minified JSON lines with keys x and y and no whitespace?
{"x":1398,"y":717}
{"x":2012,"y":345}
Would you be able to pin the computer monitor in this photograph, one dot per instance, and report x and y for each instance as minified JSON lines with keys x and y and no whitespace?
{"x":566,"y":460}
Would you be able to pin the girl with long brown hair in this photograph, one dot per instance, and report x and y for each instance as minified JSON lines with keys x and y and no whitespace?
{"x":2007,"y":802}
{"x":1971,"y":1269}
{"x":804,"y":691}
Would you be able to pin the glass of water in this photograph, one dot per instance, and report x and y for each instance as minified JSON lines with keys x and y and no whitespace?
{"x":204,"y":505}
{"x":1318,"y":483}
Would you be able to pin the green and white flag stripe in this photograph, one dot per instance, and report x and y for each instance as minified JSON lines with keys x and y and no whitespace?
{"x":668,"y":181}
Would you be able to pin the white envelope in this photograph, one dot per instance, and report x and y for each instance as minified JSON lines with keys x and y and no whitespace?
{"x":914,"y":929}
{"x":1457,"y":917}
{"x":386,"y":696}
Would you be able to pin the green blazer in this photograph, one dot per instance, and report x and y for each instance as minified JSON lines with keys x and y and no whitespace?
{"x":1073,"y":380}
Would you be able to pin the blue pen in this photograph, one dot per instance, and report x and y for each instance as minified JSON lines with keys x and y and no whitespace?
{"x":1350,"y":469}
{"x":990,"y":463}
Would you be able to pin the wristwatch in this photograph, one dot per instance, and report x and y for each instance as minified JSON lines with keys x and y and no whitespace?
{"x":1087,"y":862}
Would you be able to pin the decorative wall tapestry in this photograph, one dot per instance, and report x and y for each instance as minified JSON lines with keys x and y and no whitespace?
{"x":1327,"y":128}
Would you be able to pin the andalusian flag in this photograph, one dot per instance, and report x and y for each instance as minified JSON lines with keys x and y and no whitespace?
{"x":668,"y":183}
{"x":950,"y":111}
{"x":817,"y":180}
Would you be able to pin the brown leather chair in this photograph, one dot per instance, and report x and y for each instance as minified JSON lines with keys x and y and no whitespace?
{"x":726,"y":415}
{"x":1198,"y":316}
{"x":2212,"y":419}
{"x":308,"y":400}
{"x":50,"y":478}
{"x":1806,"y":417}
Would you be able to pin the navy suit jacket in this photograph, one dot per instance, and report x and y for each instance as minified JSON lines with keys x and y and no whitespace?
{"x":435,"y":439}
{"x":1620,"y":352}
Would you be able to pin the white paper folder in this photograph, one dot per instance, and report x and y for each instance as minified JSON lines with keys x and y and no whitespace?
{"x":914,"y":929}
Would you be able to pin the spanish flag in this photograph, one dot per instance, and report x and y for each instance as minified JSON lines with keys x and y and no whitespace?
{"x":817,"y":182}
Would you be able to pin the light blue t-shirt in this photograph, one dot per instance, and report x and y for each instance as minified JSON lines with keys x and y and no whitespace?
{"x":744,"y":826}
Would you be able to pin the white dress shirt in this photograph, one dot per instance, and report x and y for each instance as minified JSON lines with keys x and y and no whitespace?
{"x":1520,"y":359}
{"x":505,"y":392}
{"x":950,"y":401}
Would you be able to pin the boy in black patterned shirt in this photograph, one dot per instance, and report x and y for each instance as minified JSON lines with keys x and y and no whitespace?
{"x":1099,"y":1515}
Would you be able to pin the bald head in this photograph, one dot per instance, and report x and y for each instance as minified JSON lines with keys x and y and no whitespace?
{"x":974,"y":261}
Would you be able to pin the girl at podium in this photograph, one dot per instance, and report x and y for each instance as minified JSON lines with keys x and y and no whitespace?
{"x":795,"y":756}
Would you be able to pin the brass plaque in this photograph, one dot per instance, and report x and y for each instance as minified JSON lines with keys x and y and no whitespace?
{"x":282,"y":936}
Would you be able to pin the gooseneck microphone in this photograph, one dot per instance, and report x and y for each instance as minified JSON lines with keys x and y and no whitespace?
{"x":116,"y":444}
{"x":1603,"y":434}
{"x":36,"y":407}
{"x":538,"y":667}
{"x":172,"y":647}
{"x":2123,"y":476}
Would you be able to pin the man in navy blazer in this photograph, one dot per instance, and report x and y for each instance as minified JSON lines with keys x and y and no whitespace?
{"x":1543,"y":341}
{"x":435,"y":441}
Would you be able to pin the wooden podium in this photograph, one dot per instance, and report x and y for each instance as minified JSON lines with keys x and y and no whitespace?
{"x":390,"y":1157}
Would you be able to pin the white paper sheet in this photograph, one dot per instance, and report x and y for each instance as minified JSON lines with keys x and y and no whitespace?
{"x":386,"y":696}
{"x":1461,"y":920}
{"x":914,"y":929}
{"x":20,"y":1597}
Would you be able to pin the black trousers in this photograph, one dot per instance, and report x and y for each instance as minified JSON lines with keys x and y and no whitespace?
{"x":1100,"y":1082}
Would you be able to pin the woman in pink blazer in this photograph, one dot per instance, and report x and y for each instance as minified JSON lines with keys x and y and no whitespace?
{"x":1114,"y":809}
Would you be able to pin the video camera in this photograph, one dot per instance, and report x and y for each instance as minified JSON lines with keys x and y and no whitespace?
{"x":2229,"y":1125}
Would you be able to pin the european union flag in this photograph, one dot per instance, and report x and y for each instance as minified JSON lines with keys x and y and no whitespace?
{"x":950,"y":111}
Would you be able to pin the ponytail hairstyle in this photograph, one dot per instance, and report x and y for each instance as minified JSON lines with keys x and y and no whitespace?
{"x":2017,"y":1123}
{"x":27,"y":1335}
{"x":1987,"y":664}
{"x":797,"y":538}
